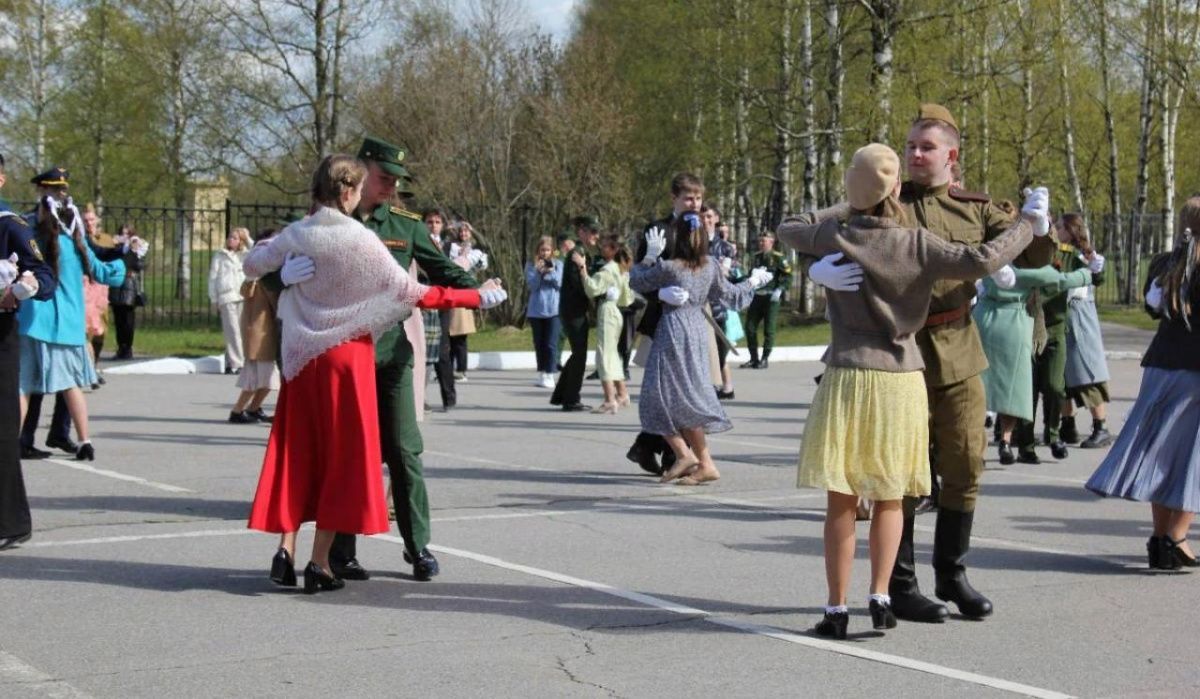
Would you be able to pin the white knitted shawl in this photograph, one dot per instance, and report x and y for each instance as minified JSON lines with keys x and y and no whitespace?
{"x":358,"y":288}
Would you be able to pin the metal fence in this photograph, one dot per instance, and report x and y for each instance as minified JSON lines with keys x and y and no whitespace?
{"x":183,"y":241}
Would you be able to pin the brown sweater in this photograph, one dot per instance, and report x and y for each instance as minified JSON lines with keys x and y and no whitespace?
{"x":873,"y":327}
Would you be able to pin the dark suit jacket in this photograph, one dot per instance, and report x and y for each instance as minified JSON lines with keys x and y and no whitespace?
{"x":650,"y":318}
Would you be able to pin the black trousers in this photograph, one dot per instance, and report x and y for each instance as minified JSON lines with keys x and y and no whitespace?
{"x":14,"y":505}
{"x":570,"y":381}
{"x":123,"y":319}
{"x":625,"y":343}
{"x":458,"y":352}
{"x":60,"y":424}
{"x":443,"y":368}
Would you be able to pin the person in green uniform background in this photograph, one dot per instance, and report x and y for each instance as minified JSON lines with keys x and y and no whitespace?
{"x":764,"y":309}
{"x":1050,"y":365}
{"x":405,"y":236}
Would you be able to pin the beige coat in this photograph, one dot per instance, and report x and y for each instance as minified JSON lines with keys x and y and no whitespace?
{"x":260,"y":330}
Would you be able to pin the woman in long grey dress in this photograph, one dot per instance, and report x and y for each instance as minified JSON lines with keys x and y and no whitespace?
{"x":677,"y":400}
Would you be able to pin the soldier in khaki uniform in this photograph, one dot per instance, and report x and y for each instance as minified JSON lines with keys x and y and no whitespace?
{"x":764,"y":309}
{"x":405,"y":235}
{"x":954,"y":359}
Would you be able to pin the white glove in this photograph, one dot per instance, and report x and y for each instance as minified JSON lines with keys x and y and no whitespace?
{"x":297,"y":269}
{"x":673,"y":295}
{"x":25,"y":287}
{"x":1154,"y":296}
{"x":726,"y":264}
{"x":479,"y":260}
{"x":760,"y":276}
{"x":139,"y":246}
{"x":980,"y":290}
{"x":1005,"y":277}
{"x":776,"y":295}
{"x":656,"y":242}
{"x":492,"y":298}
{"x":1079,"y":292}
{"x":1037,"y":207}
{"x":831,"y":275}
{"x":1097,"y":263}
{"x":8,"y":271}
{"x":612,"y":293}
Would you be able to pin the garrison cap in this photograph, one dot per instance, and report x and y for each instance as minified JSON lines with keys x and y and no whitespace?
{"x":54,"y":177}
{"x":388,"y":156}
{"x":587,"y":221}
{"x":766,"y":234}
{"x":936,"y":112}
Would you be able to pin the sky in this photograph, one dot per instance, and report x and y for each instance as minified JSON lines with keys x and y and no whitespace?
{"x":554,"y":16}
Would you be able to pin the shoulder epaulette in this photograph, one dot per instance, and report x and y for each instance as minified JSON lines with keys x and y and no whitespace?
{"x":963,"y":195}
{"x":1066,"y":247}
{"x":404,"y":212}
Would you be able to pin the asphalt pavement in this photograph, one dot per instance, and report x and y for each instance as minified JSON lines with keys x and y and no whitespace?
{"x":566,"y":572}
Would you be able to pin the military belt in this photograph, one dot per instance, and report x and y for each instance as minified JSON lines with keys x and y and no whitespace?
{"x":947,"y":316}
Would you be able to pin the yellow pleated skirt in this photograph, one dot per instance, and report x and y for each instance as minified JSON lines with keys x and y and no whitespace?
{"x":868,"y":435}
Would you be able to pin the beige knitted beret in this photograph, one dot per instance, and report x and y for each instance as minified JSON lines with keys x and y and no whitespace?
{"x":872,"y":174}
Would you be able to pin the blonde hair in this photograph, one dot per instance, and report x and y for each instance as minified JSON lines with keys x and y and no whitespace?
{"x":243,"y":236}
{"x":1179,"y":281}
{"x":336,"y":175}
{"x":543,"y":240}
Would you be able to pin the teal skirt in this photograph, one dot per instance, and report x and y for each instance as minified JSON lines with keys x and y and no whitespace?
{"x":47,"y":367}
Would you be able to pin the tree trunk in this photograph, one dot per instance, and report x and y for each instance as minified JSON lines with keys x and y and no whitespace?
{"x":884,"y":21}
{"x":808,"y":200}
{"x":100,"y":115}
{"x":745,"y":207}
{"x":40,"y":80}
{"x":321,"y":80}
{"x":1064,"y":78}
{"x":781,"y":179}
{"x":1133,"y":247}
{"x":1025,"y":18}
{"x":834,"y":90}
{"x":1110,"y":130}
{"x":985,"y":109}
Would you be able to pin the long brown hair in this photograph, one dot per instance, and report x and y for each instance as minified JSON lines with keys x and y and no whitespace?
{"x":334,"y":176}
{"x":1076,"y":227}
{"x":691,"y":244}
{"x":1179,"y":281}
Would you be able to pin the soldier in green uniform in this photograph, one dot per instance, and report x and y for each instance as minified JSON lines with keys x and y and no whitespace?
{"x":405,"y":235}
{"x":1050,"y":365}
{"x":764,"y":309}
{"x":954,"y":359}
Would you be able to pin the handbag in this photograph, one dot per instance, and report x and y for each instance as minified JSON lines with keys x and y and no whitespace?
{"x":139,"y":299}
{"x":733,"y":327}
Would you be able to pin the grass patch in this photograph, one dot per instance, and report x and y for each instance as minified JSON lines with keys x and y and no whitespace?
{"x":1133,"y":317}
{"x":178,"y":342}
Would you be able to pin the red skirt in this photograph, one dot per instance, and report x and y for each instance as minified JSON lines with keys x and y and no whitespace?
{"x":323,"y":459}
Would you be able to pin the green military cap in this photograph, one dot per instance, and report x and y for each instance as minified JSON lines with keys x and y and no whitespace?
{"x":936,"y":112}
{"x":587,"y":221}
{"x":388,"y":156}
{"x":767,"y":234}
{"x":54,"y":177}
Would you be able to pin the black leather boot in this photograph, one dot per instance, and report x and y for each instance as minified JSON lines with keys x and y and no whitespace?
{"x":951,"y":541}
{"x":1099,"y":438}
{"x":1067,"y":431}
{"x":907,"y":601}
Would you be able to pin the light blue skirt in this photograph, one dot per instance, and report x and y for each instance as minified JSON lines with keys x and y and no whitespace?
{"x":47,"y":367}
{"x":1157,"y":456}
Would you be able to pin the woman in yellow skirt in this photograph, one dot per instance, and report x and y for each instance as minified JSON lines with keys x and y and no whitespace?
{"x":867,"y":433}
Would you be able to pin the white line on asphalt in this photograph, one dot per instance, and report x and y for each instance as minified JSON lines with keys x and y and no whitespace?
{"x":758,"y":629}
{"x":14,"y":671}
{"x":140,"y":537}
{"x":79,"y":466}
{"x":1039,"y":476}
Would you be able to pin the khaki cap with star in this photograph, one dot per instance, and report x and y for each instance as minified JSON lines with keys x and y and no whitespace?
{"x":936,"y":112}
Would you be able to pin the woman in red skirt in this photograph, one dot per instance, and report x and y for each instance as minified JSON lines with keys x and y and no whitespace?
{"x":323,"y":458}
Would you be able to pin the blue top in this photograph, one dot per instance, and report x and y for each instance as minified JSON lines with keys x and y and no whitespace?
{"x":60,"y":319}
{"x":544,"y":290}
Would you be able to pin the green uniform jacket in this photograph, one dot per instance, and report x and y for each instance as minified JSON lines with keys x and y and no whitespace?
{"x":777,"y":264}
{"x":1054,"y":301}
{"x":952,"y":351}
{"x":406,"y":237}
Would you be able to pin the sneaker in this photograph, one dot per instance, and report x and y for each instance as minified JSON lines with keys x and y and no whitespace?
{"x":460,"y":376}
{"x":547,"y":381}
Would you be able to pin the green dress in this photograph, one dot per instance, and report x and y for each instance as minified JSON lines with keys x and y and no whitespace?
{"x":1006,"y":330}
{"x":608,"y":318}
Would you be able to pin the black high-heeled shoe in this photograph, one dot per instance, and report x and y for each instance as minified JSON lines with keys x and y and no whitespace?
{"x":314,"y":577}
{"x":1006,"y":455}
{"x":833,"y":625}
{"x":1178,"y":556}
{"x":283,"y":570}
{"x":882,"y":616}
{"x":1154,"y":552}
{"x":86,"y":452}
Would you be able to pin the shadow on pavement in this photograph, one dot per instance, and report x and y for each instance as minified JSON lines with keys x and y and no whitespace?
{"x":199,"y":507}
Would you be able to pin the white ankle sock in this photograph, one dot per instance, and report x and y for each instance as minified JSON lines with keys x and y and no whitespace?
{"x":837,"y":609}
{"x":882,"y":599}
